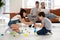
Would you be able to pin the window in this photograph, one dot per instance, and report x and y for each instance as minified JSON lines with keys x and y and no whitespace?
{"x":56,"y":4}
{"x":31,"y":3}
{"x":4,"y":18}
{"x":28,"y":3}
{"x":7,"y":6}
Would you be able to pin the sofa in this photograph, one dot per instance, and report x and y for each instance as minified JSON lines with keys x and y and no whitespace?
{"x":55,"y":11}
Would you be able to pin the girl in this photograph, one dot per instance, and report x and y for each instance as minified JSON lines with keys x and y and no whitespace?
{"x":20,"y":18}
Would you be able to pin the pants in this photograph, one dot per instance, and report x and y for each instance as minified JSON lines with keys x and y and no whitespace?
{"x":33,"y":18}
{"x":43,"y":31}
{"x":50,"y":15}
{"x":13,"y":22}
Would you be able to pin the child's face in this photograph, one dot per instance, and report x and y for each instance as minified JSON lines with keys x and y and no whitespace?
{"x":40,"y":17}
{"x":24,"y":14}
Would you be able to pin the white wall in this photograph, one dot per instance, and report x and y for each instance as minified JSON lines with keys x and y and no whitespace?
{"x":15,"y":6}
{"x":56,"y":4}
{"x":7,"y":6}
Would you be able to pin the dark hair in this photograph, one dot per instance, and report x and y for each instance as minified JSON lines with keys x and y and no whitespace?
{"x":41,"y":14}
{"x":43,"y":7}
{"x":41,"y":4}
{"x":37,"y":2}
{"x":21,"y":12}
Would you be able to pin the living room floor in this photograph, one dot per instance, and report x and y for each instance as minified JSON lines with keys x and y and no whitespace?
{"x":54,"y":36}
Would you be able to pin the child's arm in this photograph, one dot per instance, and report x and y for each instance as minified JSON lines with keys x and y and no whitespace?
{"x":27,"y":23}
{"x":42,"y":25}
{"x":15,"y":17}
{"x":19,"y":18}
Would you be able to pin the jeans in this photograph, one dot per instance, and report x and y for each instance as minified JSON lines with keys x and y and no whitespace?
{"x":33,"y":18}
{"x":43,"y":31}
{"x":13,"y":22}
{"x":51,"y":15}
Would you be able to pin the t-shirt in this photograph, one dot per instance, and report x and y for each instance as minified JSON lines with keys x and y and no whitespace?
{"x":46,"y":11}
{"x":33,"y":16}
{"x":15,"y":17}
{"x":34,"y":11}
{"x":47,"y":23}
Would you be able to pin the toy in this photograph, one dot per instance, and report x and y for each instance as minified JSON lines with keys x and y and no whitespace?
{"x":35,"y":31}
{"x":31,"y":26}
{"x":2,"y":34}
{"x":14,"y":34}
{"x":25,"y":35}
{"x":21,"y":31}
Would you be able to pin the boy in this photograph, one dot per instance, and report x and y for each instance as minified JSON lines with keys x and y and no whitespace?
{"x":45,"y":24}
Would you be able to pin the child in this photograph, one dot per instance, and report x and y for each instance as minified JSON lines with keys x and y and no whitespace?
{"x":45,"y":24}
{"x":20,"y":18}
{"x":17,"y":19}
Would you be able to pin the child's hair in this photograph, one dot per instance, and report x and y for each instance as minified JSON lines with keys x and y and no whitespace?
{"x":41,"y":14}
{"x":21,"y":12}
{"x":37,"y":2}
{"x":44,"y":3}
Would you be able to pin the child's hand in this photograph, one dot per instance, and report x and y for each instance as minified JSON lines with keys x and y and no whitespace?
{"x":36,"y":25}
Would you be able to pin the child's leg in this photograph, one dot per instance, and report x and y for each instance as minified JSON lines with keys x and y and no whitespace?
{"x":43,"y":31}
{"x":17,"y":30}
{"x":15,"y":27}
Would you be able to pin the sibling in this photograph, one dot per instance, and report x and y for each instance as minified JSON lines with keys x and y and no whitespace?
{"x":45,"y":24}
{"x":20,"y":18}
